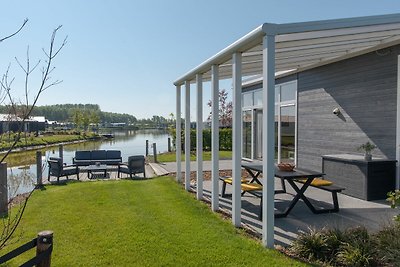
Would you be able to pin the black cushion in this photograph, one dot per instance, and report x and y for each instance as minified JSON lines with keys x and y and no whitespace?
{"x":82,"y":155}
{"x":99,"y":154}
{"x":113,"y":154}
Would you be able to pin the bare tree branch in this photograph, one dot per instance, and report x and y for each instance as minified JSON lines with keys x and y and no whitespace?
{"x":21,"y":111}
{"x":11,"y":35}
{"x":43,"y":86}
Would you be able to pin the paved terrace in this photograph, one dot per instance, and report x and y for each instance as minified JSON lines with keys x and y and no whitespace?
{"x":111,"y":175}
{"x":353,"y":212}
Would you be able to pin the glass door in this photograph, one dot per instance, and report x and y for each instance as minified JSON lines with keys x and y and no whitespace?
{"x":287,"y":133}
{"x":258,"y":126}
{"x":247,"y":134}
{"x":285,"y":123}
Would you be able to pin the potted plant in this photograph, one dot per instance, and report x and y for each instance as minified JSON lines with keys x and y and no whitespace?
{"x":367,"y":148}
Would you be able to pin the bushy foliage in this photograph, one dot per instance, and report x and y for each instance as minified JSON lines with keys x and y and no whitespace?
{"x":311,"y":245}
{"x":394,"y":199}
{"x":352,"y":247}
{"x":387,"y":244}
{"x":225,"y":139}
{"x":356,"y":250}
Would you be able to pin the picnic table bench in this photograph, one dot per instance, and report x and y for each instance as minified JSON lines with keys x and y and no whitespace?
{"x":305,"y":177}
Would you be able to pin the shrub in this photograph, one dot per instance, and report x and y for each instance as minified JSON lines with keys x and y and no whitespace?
{"x":387,"y":243}
{"x":355,"y":256}
{"x":225,"y":139}
{"x":311,"y":245}
{"x":356,"y":250}
{"x":352,"y":247}
{"x":334,"y":240}
{"x":394,"y":199}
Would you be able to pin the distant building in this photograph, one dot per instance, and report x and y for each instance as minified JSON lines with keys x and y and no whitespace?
{"x":116,"y":125}
{"x":12,"y":123}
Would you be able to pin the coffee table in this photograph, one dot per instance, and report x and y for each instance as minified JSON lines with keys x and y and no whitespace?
{"x":94,"y":171}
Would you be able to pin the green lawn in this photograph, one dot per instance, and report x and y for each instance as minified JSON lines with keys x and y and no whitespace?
{"x":171,"y":156}
{"x":137,"y":223}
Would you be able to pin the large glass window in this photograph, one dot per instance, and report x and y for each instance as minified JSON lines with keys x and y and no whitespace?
{"x":285,"y":123}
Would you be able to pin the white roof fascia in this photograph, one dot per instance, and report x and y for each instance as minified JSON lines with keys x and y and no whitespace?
{"x":288,"y":28}
{"x":241,"y":45}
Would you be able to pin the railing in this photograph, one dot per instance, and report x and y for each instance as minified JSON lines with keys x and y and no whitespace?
{"x":44,"y":247}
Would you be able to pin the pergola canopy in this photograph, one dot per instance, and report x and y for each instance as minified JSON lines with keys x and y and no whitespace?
{"x":273,"y":50}
{"x":305,"y":45}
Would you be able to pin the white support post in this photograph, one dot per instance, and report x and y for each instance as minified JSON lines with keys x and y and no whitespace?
{"x":199,"y":136}
{"x":214,"y":138}
{"x":178,"y":139}
{"x":187,"y":135}
{"x":237,"y":139}
{"x":398,"y":126}
{"x":268,"y":140}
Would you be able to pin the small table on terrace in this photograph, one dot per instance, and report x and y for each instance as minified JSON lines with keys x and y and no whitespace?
{"x":92,"y":169}
{"x":256,"y":169}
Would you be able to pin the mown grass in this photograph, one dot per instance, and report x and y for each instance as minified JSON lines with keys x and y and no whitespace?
{"x":171,"y":156}
{"x":137,"y":223}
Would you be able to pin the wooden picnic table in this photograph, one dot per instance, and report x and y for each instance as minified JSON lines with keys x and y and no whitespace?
{"x":255,"y":169}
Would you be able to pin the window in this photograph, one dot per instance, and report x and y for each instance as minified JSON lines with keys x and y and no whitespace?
{"x":285,"y":123}
{"x":247,"y":133}
{"x":258,"y":98}
{"x":247,"y":99}
{"x":288,"y":92}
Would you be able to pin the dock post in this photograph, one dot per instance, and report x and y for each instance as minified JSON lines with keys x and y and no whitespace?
{"x":44,"y":241}
{"x":147,"y":148}
{"x":155,"y":152}
{"x":61,"y":153}
{"x":39,"y":171}
{"x":169,"y":144}
{"x":3,"y":189}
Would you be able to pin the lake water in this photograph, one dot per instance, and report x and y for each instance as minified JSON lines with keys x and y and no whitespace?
{"x":22,"y":179}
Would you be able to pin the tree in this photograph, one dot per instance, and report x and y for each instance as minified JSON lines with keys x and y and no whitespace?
{"x":94,"y":118}
{"x":23,"y":108}
{"x":86,"y":120}
{"x":77,"y":117}
{"x":225,"y":109}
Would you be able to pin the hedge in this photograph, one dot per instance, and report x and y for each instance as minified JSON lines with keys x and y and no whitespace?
{"x":225,"y":139}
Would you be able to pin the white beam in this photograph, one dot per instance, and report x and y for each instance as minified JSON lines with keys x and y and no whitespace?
{"x":246,"y":42}
{"x":268,"y":140}
{"x":214,"y":138}
{"x":322,"y":25}
{"x":187,"y":135}
{"x":398,"y":125}
{"x":237,"y":138}
{"x":199,"y":136}
{"x":178,"y":135}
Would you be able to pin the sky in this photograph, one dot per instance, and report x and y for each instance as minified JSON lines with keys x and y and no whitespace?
{"x":125,"y":54}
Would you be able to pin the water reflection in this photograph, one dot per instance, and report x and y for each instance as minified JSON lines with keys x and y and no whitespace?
{"x":22,"y":180}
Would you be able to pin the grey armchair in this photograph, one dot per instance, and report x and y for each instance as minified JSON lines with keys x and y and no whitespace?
{"x":58,"y":169}
{"x":136,"y":164}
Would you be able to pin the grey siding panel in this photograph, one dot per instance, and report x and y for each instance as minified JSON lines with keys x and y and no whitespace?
{"x":364,"y":88}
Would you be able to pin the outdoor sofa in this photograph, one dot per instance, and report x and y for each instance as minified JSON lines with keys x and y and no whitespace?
{"x":86,"y":157}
